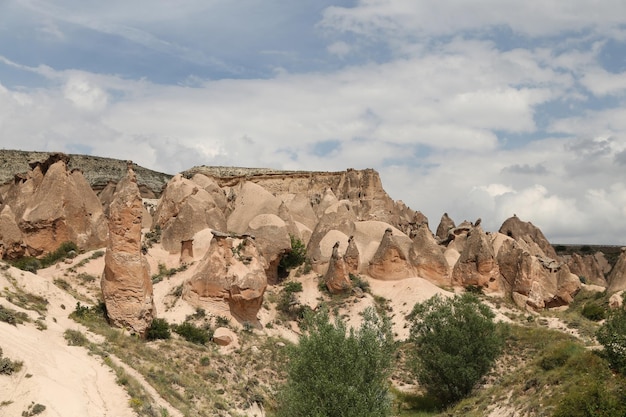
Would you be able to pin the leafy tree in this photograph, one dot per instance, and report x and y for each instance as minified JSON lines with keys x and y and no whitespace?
{"x":295,"y":257}
{"x":334,"y":371}
{"x":456,"y":343}
{"x":612,"y":335}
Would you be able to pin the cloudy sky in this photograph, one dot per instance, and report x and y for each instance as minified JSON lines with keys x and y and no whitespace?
{"x":481,"y":108}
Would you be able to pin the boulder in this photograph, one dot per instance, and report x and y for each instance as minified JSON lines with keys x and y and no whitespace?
{"x":617,"y":277}
{"x":391,"y":260}
{"x":588,"y":268}
{"x":337,"y":278}
{"x":428,"y":258}
{"x":616,"y":300}
{"x":531,"y":234}
{"x":183,"y":210}
{"x":445,"y":225}
{"x":126,"y":284}
{"x":223,"y":336}
{"x":231,"y":273}
{"x":53,"y":205}
{"x":477,"y":264}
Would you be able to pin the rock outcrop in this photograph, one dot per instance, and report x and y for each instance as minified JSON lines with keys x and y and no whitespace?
{"x":477,"y":265}
{"x":391,"y":261}
{"x":617,"y":277}
{"x":352,"y":257}
{"x":587,"y":268}
{"x":11,"y":241}
{"x":184,"y":209}
{"x":53,"y":205}
{"x":428,"y":259}
{"x":126,"y":284}
{"x":537,"y":282}
{"x":272,"y":241}
{"x":445,"y":225}
{"x":529,"y":233}
{"x":232,"y":275}
{"x":337,"y":278}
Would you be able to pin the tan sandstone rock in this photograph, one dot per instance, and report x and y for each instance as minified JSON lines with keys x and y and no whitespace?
{"x":445,"y":225}
{"x":531,"y":234}
{"x":391,"y":261}
{"x":352,"y":257}
{"x":428,"y":258}
{"x":11,"y":242}
{"x":617,"y":277}
{"x":477,"y":264}
{"x":53,"y":205}
{"x":587,"y":266}
{"x":232,"y":273}
{"x":272,"y":239}
{"x":126,"y":283}
{"x":337,"y":278}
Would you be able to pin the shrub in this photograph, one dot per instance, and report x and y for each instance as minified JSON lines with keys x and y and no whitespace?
{"x":159,"y":329}
{"x":192,"y":334}
{"x":559,"y":354}
{"x":13,"y":317}
{"x":590,"y":399}
{"x":75,"y":338}
{"x":612,"y":335}
{"x":7,"y":366}
{"x":293,"y":258}
{"x":359,"y":282}
{"x":456,"y":343}
{"x":334,"y":371}
{"x":593,"y":312}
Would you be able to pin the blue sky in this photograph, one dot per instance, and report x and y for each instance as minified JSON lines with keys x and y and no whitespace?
{"x":480,"y":108}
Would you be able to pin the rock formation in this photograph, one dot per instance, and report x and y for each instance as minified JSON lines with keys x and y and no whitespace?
{"x":184,"y":209}
{"x":53,"y":205}
{"x":337,"y":278}
{"x":126,"y":283}
{"x":617,"y":277}
{"x":428,"y":259}
{"x":587,"y":268}
{"x":231,"y":273}
{"x":352,"y":258}
{"x":477,"y":264}
{"x":272,"y":241}
{"x":391,"y":261}
{"x":533,"y":281}
{"x":11,"y":241}
{"x":531,"y":234}
{"x":445,"y":225}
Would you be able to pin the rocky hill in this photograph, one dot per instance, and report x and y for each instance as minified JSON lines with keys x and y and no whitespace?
{"x":98,"y":171}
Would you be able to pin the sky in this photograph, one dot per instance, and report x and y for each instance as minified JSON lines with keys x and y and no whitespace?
{"x":477,"y":108}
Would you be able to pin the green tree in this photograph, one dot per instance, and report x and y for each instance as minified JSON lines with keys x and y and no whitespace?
{"x":612,"y":335}
{"x":334,"y":371}
{"x":456,"y":342}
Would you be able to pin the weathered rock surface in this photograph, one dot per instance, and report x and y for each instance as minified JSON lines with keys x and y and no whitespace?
{"x":11,"y":241}
{"x":477,"y":265}
{"x":126,"y":283}
{"x":391,"y":261}
{"x":531,"y":234}
{"x":223,"y":336}
{"x":445,"y":225}
{"x":53,"y":205}
{"x":428,"y":259}
{"x":232,"y":273}
{"x":352,"y":257}
{"x":617,"y":277}
{"x":588,"y":268}
{"x":272,"y":241}
{"x":537,"y":282}
{"x":184,"y":209}
{"x":337,"y":278}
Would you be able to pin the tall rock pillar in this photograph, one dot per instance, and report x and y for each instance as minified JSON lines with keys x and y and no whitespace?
{"x":126,"y":283}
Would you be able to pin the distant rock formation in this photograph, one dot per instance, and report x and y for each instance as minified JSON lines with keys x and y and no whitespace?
{"x":391,"y":261}
{"x":231,"y":274}
{"x":529,"y":233}
{"x":445,"y":225}
{"x":617,"y":277}
{"x":53,"y":205}
{"x":477,"y":264}
{"x":587,"y":268}
{"x":126,"y":283}
{"x":352,"y":257}
{"x":337,"y":278}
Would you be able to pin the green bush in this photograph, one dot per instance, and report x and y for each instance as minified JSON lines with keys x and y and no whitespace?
{"x":593,"y":312}
{"x":558,"y":355}
{"x":334,"y":371}
{"x":456,"y":343}
{"x":192,"y":334}
{"x":359,"y":282}
{"x":591,"y":399}
{"x":75,"y":338}
{"x":13,"y":317}
{"x":159,"y":329}
{"x":7,"y":366}
{"x":612,"y":335}
{"x":293,"y":258}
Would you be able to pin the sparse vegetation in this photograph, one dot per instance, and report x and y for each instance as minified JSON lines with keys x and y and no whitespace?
{"x":295,"y":257}
{"x":75,"y":337}
{"x":13,"y":317}
{"x":612,"y":335}
{"x":193,"y":334}
{"x":8,"y":366}
{"x":33,"y":410}
{"x":31,"y":264}
{"x":159,"y":329}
